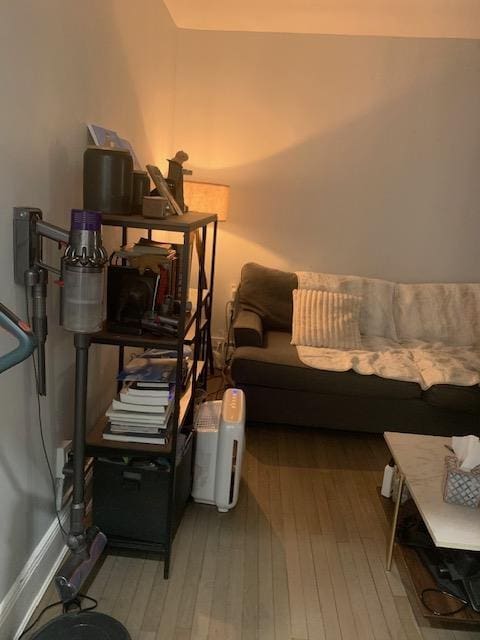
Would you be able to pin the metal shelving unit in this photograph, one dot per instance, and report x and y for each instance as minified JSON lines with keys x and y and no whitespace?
{"x":194,"y":329}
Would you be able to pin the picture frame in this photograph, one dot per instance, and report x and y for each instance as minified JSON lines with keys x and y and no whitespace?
{"x":160,"y":182}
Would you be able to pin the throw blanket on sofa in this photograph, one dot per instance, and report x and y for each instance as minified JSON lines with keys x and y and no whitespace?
{"x":424,"y":362}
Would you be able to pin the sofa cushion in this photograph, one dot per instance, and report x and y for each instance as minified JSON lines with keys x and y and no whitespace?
{"x":268,"y":292}
{"x":283,"y":406}
{"x":448,"y":313}
{"x":277,"y":365}
{"x":248,"y":329}
{"x":376,"y":312}
{"x":326,"y":319}
{"x":447,"y":396}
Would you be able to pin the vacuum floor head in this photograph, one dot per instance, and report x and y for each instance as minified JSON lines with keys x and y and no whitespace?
{"x":78,"y":566}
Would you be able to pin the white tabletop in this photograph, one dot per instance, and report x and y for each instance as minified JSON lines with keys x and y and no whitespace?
{"x":420,"y":459}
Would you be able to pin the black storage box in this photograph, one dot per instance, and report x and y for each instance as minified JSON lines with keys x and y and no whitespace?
{"x":130,"y":501}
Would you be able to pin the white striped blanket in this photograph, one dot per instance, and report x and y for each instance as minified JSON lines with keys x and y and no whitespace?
{"x":425,"y":362}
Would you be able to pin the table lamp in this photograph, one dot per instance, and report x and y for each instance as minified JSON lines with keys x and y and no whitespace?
{"x":207,"y":197}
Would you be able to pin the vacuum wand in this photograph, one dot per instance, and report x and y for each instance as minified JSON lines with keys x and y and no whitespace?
{"x":37,"y":279}
{"x":86,"y":546}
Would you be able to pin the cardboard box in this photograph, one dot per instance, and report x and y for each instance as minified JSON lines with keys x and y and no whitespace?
{"x":155,"y":207}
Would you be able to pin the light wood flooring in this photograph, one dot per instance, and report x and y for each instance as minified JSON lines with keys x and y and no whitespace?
{"x":302,"y":557}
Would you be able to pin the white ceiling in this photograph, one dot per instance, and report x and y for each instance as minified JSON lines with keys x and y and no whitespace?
{"x":406,"y":18}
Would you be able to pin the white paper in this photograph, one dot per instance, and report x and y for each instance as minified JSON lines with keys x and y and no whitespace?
{"x":467,"y":450}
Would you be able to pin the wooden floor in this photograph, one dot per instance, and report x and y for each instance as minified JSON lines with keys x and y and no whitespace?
{"x":302,"y":557}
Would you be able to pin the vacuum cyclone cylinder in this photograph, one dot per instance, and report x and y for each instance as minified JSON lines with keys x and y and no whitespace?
{"x":83,"y":274}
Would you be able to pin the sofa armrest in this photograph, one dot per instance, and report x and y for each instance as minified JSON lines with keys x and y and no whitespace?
{"x":248,"y":329}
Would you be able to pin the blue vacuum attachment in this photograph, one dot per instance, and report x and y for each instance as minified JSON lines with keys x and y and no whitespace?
{"x":22,"y":332}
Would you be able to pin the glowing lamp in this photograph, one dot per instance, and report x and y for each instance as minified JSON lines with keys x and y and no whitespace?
{"x":207,"y":197}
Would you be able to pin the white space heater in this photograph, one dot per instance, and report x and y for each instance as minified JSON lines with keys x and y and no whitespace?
{"x":220,"y":445}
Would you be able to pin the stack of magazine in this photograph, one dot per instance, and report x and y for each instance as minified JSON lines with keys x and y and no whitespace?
{"x":145,"y":246}
{"x":142,"y":411}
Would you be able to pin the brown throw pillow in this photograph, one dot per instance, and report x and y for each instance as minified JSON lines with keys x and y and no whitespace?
{"x":268,"y":293}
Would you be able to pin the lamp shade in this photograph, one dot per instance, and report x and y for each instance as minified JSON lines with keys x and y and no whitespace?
{"x":206,"y":197}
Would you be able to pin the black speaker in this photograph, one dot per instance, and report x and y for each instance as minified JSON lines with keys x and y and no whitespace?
{"x":130,"y":298}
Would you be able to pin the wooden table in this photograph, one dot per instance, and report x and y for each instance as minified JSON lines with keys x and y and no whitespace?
{"x":420,"y":461}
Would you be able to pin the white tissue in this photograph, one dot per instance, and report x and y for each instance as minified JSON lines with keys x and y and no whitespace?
{"x":467,"y":450}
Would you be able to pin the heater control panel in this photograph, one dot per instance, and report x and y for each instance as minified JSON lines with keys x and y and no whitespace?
{"x":233,"y":408}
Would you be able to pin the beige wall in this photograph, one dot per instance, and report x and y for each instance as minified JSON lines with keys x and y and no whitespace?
{"x":412,"y":18}
{"x":63,"y":64}
{"x":345,"y":154}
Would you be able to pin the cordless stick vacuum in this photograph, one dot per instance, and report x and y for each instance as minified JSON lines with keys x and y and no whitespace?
{"x":82,"y":278}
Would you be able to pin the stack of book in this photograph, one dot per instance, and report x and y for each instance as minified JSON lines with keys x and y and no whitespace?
{"x":141,"y":413}
{"x":146,"y":401}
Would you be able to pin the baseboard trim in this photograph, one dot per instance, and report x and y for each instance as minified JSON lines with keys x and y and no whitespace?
{"x":28,"y":589}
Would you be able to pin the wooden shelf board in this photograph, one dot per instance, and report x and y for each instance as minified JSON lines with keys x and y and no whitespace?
{"x":190,"y":335}
{"x":149,"y":340}
{"x":188,"y":222}
{"x":146,"y":340}
{"x":97,"y":445}
{"x":187,"y":395}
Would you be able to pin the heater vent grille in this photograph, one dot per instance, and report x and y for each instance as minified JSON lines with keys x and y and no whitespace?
{"x":208,"y":416}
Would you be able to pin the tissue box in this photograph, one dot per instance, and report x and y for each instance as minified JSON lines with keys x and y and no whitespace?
{"x":460,"y":486}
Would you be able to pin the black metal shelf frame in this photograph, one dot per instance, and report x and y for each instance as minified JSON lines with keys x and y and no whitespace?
{"x":195,"y":330}
{"x":149,"y":340}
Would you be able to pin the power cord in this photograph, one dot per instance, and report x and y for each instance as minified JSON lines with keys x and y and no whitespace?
{"x":37,"y":619}
{"x":463,"y":603}
{"x":56,"y":604}
{"x":224,"y":371}
{"x":213,"y":395}
{"x":229,"y":312}
{"x":42,"y":436}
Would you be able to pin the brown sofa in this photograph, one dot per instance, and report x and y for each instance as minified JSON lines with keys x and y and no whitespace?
{"x":281,"y":389}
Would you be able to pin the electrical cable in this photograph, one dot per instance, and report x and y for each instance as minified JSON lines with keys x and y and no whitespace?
{"x":219,"y":391}
{"x":56,"y":604}
{"x":37,"y":619}
{"x":42,"y":435}
{"x":228,"y":326}
{"x":225,"y":382}
{"x":83,"y":596}
{"x":463,"y":602}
